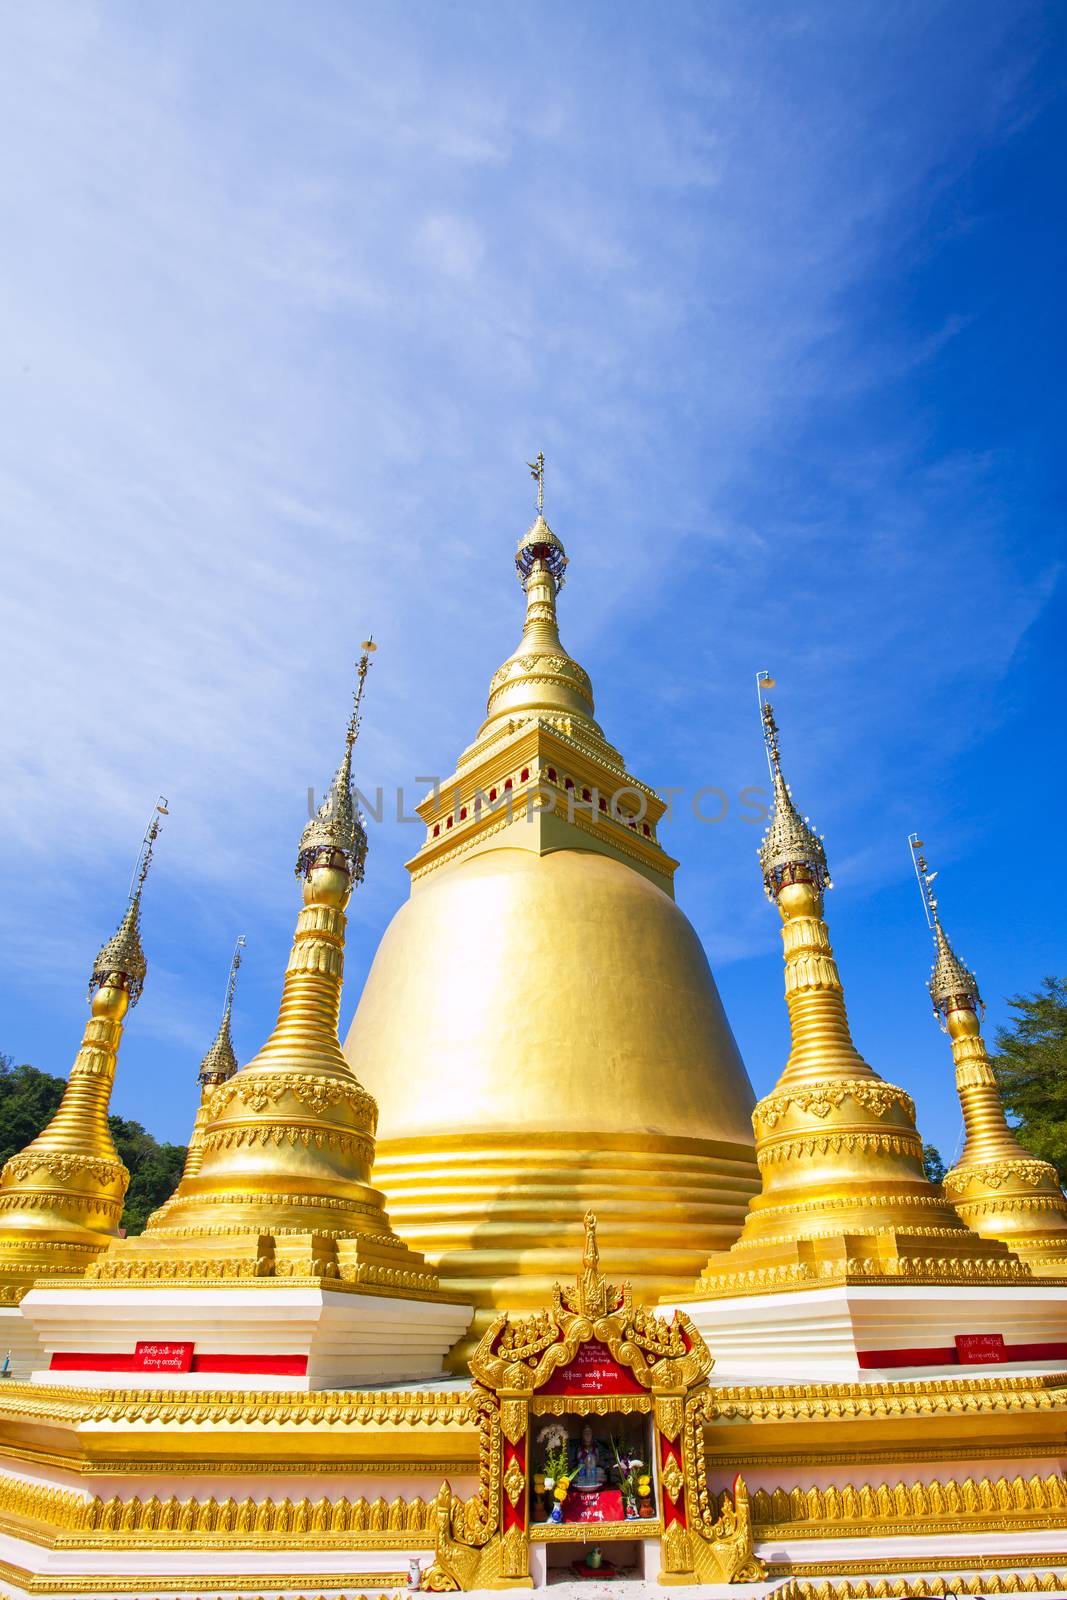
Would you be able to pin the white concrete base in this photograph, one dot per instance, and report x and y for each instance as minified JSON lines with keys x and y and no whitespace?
{"x":817,"y":1334}
{"x":19,"y":1342}
{"x":353,"y":1341}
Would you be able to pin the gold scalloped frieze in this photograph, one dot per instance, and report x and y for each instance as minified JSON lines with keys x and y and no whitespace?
{"x":991,"y":1583}
{"x":992,"y":1174}
{"x":821,"y":1144}
{"x":828,"y":1095}
{"x":66,"y":1519}
{"x":589,"y":1405}
{"x":873,"y":1510}
{"x":258,"y":1090}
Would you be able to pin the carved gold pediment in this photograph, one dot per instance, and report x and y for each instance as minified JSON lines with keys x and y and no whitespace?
{"x":520,"y":1355}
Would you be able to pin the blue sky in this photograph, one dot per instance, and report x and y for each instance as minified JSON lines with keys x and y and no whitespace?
{"x":289,"y":295}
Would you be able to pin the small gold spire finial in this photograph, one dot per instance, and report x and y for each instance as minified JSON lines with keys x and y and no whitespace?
{"x":791,"y":849}
{"x":593,"y":1296}
{"x":336,"y":829}
{"x":537,"y":472}
{"x":953,"y":986}
{"x":220,"y":1062}
{"x":122,"y":958}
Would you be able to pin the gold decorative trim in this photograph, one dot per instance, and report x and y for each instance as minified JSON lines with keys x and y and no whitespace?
{"x":938,"y":1506}
{"x":243,"y":1584}
{"x":1013,"y":1583}
{"x":337,"y":1407}
{"x":587,"y":1532}
{"x":911,"y":1397}
{"x":819,"y":1099}
{"x":935,"y":1564}
{"x":64,"y":1519}
{"x":589,"y":1405}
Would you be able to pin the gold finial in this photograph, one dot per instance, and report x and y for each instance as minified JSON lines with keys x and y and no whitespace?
{"x":953,"y":986}
{"x":220,"y":1062}
{"x":337,"y":827}
{"x":122,"y":958}
{"x":540,"y":552}
{"x":791,"y":848}
{"x":593,"y":1296}
{"x":537,"y":472}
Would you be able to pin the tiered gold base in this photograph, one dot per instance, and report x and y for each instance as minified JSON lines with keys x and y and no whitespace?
{"x":501,"y":1221}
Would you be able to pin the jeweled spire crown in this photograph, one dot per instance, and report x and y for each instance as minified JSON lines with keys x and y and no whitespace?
{"x":220,"y":1062}
{"x":123,"y":957}
{"x":790,"y":845}
{"x":337,"y":829}
{"x":952,"y":984}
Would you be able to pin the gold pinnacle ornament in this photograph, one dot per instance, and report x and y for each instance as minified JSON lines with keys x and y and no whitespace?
{"x":281,"y":1186}
{"x":844,"y":1191}
{"x":999,"y":1189}
{"x":61,"y":1198}
{"x":218,"y":1065}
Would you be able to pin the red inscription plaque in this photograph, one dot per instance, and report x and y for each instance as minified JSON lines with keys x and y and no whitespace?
{"x":974,"y":1348}
{"x":593,"y":1371}
{"x":164,"y":1355}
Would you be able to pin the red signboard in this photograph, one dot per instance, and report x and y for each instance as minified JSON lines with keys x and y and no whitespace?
{"x":594,"y":1370}
{"x":974,"y":1348}
{"x":164,"y":1355}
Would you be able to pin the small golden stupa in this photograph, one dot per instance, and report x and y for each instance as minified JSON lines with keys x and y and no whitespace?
{"x":844,"y":1189}
{"x":61,"y":1198}
{"x":999,"y":1189}
{"x":218,"y":1066}
{"x":280,"y":1178}
{"x":540,"y":1026}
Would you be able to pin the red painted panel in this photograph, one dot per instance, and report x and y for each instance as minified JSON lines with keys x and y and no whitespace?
{"x":950,"y":1355}
{"x":107,"y":1361}
{"x":594,"y":1370}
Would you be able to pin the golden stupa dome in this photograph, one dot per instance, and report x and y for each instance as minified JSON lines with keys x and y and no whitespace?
{"x":540,"y":1027}
{"x":563,"y":991}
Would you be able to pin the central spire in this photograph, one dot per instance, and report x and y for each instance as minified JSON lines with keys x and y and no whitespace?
{"x":540,"y":678}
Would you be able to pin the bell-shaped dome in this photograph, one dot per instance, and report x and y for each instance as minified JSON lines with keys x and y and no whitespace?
{"x":561,"y":992}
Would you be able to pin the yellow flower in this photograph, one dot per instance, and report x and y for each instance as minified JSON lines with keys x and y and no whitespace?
{"x":561,"y":1490}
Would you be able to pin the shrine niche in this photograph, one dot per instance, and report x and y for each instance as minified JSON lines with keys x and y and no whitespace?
{"x":594,"y":1404}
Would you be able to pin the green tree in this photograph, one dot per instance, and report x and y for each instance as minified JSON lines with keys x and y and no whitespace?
{"x":1031,"y":1068}
{"x":933,"y":1164}
{"x":29,"y":1099}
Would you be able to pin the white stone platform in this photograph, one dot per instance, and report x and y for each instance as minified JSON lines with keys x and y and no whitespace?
{"x":271,"y":1336}
{"x":19,"y":1342}
{"x":867,"y":1331}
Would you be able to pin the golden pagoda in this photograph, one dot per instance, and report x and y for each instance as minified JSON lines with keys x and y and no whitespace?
{"x":844,"y":1190}
{"x":61,"y":1198}
{"x":280,"y":1180}
{"x":998,"y":1188}
{"x":540,"y":1026}
{"x":544,"y":1034}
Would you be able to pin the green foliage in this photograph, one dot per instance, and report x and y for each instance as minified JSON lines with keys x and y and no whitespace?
{"x":29,"y":1099}
{"x":933,"y":1163}
{"x":1031,"y":1068}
